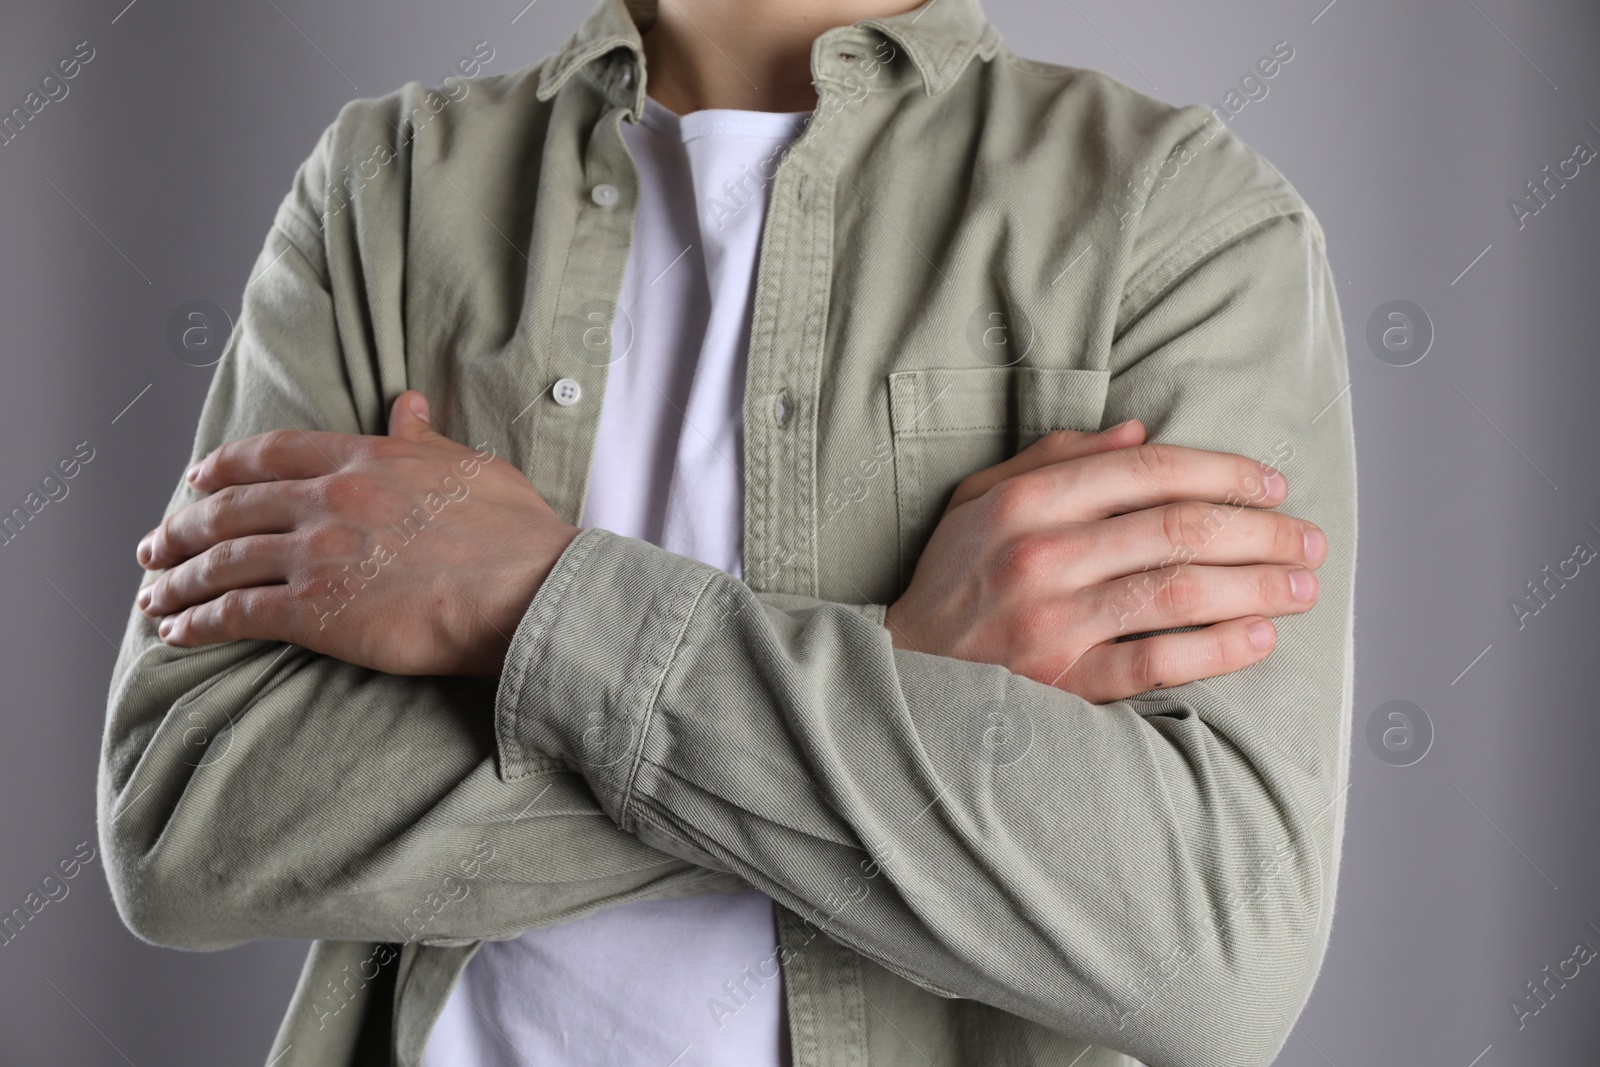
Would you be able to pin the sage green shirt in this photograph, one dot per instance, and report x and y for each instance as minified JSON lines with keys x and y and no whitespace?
{"x":964,"y":250}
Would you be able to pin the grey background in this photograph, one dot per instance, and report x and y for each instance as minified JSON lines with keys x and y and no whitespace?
{"x":1406,"y":127}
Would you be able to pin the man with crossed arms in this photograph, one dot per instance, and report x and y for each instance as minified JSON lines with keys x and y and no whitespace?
{"x":865,"y":695}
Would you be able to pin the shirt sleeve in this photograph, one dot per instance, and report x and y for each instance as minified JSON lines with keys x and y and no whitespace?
{"x":1155,"y":874}
{"x":256,"y":789}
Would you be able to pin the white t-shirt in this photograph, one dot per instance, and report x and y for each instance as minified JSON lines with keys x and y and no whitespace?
{"x":691,"y":982}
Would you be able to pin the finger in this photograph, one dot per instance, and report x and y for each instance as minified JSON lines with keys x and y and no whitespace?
{"x":1194,"y":595}
{"x":1193,"y":531}
{"x":232,"y":511}
{"x":234,"y":564}
{"x":1133,"y":479}
{"x":277,"y":455}
{"x":1057,"y":446}
{"x":1117,"y":670}
{"x":408,"y":418}
{"x":263,"y":613}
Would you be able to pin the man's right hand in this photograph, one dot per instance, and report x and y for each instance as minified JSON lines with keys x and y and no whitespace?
{"x":1040,"y":563}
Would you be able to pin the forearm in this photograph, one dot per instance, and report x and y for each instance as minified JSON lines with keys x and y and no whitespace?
{"x":254,"y":790}
{"x":1154,"y":874}
{"x":257,"y":789}
{"x":1052,"y":877}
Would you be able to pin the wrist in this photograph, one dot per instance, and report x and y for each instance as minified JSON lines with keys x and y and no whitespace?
{"x":547,"y":549}
{"x":521,"y":586}
{"x":894,"y":620}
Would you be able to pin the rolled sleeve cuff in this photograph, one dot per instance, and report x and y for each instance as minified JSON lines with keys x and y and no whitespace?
{"x":587,"y":661}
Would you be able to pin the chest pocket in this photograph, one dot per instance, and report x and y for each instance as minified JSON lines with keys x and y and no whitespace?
{"x":951,"y":422}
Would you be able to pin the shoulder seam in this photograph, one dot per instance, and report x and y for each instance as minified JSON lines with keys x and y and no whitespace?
{"x":1206,"y":241}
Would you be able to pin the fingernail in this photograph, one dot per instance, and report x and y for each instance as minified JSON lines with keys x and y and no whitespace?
{"x":1316,"y":545}
{"x":144,"y":598}
{"x":1277,"y":487}
{"x":192,"y":473}
{"x":1261,"y":635}
{"x":144,"y":552}
{"x":165,"y":628}
{"x":419,"y":408}
{"x":1303,"y":584}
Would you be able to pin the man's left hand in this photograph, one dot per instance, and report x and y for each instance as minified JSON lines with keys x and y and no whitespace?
{"x":409,"y":554}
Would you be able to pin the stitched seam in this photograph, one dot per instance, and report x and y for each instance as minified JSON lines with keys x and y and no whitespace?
{"x":1037,"y":68}
{"x":817,"y":231}
{"x":649,"y":711}
{"x":1210,"y":240}
{"x":539,"y":639}
{"x":946,"y":431}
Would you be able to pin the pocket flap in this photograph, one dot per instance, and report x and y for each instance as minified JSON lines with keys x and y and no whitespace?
{"x":1049,"y":398}
{"x":1033,"y":400}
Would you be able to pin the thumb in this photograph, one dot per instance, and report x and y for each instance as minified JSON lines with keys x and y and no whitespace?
{"x":408,"y":417}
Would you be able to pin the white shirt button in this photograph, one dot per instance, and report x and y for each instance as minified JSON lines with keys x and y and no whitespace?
{"x":566,"y":392}
{"x":604,"y":194}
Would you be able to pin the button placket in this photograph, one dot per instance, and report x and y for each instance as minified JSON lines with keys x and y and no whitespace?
{"x":573,"y":387}
{"x":782,"y":371}
{"x":784,"y":449}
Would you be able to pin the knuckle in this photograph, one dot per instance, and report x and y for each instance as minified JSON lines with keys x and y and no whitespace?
{"x":230,"y":609}
{"x":1021,"y":558}
{"x":1288,"y":538}
{"x":1145,"y":665}
{"x":1272,"y":586}
{"x":305,"y":592}
{"x":214,"y":460}
{"x":303,"y":550}
{"x":1209,"y":521}
{"x":1218,"y":654}
{"x":1069,"y":548}
{"x":1172,"y":525}
{"x":1013,"y":500}
{"x":216,"y":561}
{"x":161,"y":541}
{"x":1157,"y":464}
{"x":221,"y":508}
{"x":275,"y":443}
{"x":331,"y":493}
{"x":1180,"y":595}
{"x":366,"y":447}
{"x":1056,"y":443}
{"x":1135,"y":593}
{"x":325,"y":542}
{"x":1185,"y":525}
{"x":347,"y":541}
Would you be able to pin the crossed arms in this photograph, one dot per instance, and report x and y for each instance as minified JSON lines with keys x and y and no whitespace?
{"x":267,"y":776}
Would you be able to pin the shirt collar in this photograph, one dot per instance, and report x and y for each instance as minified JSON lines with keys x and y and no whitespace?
{"x":941,"y":36}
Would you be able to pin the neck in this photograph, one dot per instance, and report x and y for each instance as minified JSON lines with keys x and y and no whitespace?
{"x":751,"y":55}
